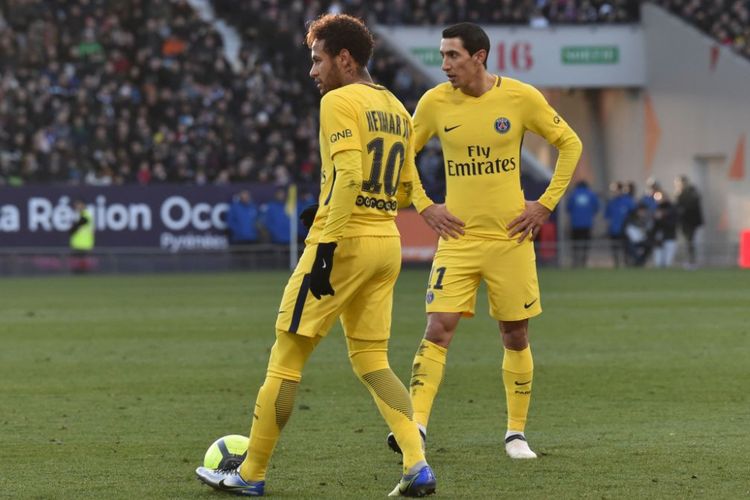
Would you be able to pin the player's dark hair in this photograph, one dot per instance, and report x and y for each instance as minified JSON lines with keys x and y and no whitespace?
{"x":341,"y":31}
{"x":472,"y":36}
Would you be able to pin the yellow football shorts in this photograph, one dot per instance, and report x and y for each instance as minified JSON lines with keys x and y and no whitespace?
{"x":363,"y":276}
{"x":508,"y":268}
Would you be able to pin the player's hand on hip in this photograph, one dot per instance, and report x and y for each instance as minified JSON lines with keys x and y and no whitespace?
{"x":320,"y":274}
{"x":442,"y":221}
{"x":530,"y":221}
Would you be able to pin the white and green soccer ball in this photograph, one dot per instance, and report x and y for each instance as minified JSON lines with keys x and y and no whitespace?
{"x":226,"y":453}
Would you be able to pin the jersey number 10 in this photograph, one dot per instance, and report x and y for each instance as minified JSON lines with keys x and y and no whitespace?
{"x":396,"y":155}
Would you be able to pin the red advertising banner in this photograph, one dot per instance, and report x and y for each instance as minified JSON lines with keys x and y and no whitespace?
{"x":418,"y":241}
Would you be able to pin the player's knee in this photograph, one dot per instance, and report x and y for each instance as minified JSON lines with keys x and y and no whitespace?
{"x":515,"y":334}
{"x":367,"y":357}
{"x":289,"y":355}
{"x":284,"y":373}
{"x":440,"y":329}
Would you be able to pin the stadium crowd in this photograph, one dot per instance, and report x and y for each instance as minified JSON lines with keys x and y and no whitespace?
{"x":728,"y":21}
{"x":522,"y":12}
{"x":114,"y":92}
{"x":103,"y":92}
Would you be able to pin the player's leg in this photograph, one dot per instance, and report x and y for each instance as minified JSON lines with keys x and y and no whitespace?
{"x":301,"y":323}
{"x":451,"y":293}
{"x":513,"y":292}
{"x":367,"y":322}
{"x":273,"y":407}
{"x":369,"y":360}
{"x":275,"y":400}
{"x":518,"y":376}
{"x":428,"y":367}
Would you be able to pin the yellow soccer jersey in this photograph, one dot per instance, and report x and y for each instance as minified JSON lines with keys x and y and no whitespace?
{"x":481,"y":139}
{"x":368,"y":119}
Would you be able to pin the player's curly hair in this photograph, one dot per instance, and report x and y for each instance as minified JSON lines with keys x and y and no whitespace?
{"x":341,"y":31}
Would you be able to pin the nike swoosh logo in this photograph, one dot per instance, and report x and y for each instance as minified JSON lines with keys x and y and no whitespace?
{"x":526,"y":306}
{"x":228,"y":487}
{"x":324,"y":264}
{"x":448,"y":129}
{"x":523,"y":383}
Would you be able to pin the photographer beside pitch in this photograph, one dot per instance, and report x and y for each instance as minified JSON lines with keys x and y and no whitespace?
{"x":352,"y":257}
{"x":480,"y":120}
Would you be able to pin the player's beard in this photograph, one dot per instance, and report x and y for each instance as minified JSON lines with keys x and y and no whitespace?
{"x":332,"y":81}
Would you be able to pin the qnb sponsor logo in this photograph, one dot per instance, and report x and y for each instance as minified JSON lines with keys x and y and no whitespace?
{"x":178,"y":214}
{"x":476,"y":168}
{"x":344,"y":134}
{"x":376,"y":203}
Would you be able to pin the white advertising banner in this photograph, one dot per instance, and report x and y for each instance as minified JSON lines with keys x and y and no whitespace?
{"x":567,"y":56}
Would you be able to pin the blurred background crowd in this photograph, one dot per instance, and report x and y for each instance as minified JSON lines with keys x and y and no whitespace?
{"x":103,"y":92}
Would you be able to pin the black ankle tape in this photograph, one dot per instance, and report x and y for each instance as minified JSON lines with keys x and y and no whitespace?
{"x":513,"y":437}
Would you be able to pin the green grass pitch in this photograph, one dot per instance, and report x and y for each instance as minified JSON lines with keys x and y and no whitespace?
{"x":113,"y":387}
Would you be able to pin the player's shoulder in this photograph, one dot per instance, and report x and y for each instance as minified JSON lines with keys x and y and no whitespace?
{"x":440,"y":91}
{"x":358,"y":95}
{"x":512,"y":84}
{"x":518,"y":87}
{"x":339,"y":95}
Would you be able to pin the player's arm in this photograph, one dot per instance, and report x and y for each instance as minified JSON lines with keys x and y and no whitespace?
{"x":346,"y":186}
{"x":445,"y":224}
{"x":423,"y":122}
{"x":338,"y":122}
{"x":544,"y":120}
{"x":410,"y":185}
{"x":339,"y":126}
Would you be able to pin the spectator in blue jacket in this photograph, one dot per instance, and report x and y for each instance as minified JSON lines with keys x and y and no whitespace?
{"x":616,"y":212}
{"x":275,"y":219}
{"x":652,"y":195}
{"x":242,"y":220}
{"x":583,"y":205}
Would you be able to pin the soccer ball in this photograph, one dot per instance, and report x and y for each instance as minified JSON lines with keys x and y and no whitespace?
{"x":226,"y":453}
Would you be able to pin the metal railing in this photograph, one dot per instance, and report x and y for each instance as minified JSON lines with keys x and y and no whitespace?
{"x":50,"y":261}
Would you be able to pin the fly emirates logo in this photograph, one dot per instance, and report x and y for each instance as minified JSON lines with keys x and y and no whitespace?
{"x":478,"y":162}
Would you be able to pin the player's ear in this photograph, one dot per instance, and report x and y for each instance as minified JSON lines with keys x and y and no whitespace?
{"x":480,"y":56}
{"x":346,"y":60}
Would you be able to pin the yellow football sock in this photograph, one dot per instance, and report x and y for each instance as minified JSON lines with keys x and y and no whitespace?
{"x":518,"y":373}
{"x":275,"y":400}
{"x":370,"y":363}
{"x":426,"y":376}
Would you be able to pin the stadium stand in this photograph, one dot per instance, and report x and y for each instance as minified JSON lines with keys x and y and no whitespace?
{"x":104,"y":92}
{"x":100,"y":92}
{"x":728,"y":21}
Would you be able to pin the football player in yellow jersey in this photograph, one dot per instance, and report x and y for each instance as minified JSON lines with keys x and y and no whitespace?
{"x":480,"y":120}
{"x":352,"y":256}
